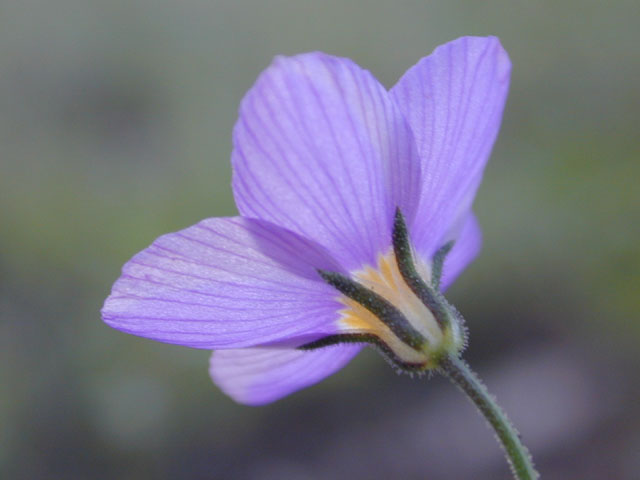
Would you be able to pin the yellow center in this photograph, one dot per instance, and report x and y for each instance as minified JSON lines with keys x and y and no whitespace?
{"x":387,"y":281}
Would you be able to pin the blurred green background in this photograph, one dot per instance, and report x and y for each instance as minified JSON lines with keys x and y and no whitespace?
{"x":115,"y":127}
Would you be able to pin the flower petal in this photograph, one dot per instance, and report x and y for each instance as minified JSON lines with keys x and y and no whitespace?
{"x":255,"y":376}
{"x":453,"y":100}
{"x":320,"y":149}
{"x":226,"y":283}
{"x":466,"y":248}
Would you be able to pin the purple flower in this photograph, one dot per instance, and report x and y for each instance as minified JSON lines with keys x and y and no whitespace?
{"x":338,"y":182}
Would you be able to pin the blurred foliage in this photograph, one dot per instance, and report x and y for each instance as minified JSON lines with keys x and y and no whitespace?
{"x":115,"y":126}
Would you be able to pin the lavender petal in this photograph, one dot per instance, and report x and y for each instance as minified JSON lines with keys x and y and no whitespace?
{"x":453,"y":100}
{"x":466,"y":248}
{"x":320,"y":148}
{"x":225,"y":283}
{"x":255,"y":376}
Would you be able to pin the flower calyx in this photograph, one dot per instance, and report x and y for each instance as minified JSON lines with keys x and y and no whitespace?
{"x":398,"y":307}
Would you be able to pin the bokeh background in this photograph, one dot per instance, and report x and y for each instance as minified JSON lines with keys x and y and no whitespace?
{"x":115,"y":127}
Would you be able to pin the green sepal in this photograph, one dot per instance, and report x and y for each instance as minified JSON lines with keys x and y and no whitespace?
{"x":429,"y":296}
{"x":367,"y":338}
{"x":379,"y":306}
{"x":438,"y":263}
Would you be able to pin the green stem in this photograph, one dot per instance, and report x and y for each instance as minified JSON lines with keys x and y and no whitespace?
{"x":517,"y":454}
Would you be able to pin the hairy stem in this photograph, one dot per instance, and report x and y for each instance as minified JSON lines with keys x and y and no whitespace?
{"x":517,"y":454}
